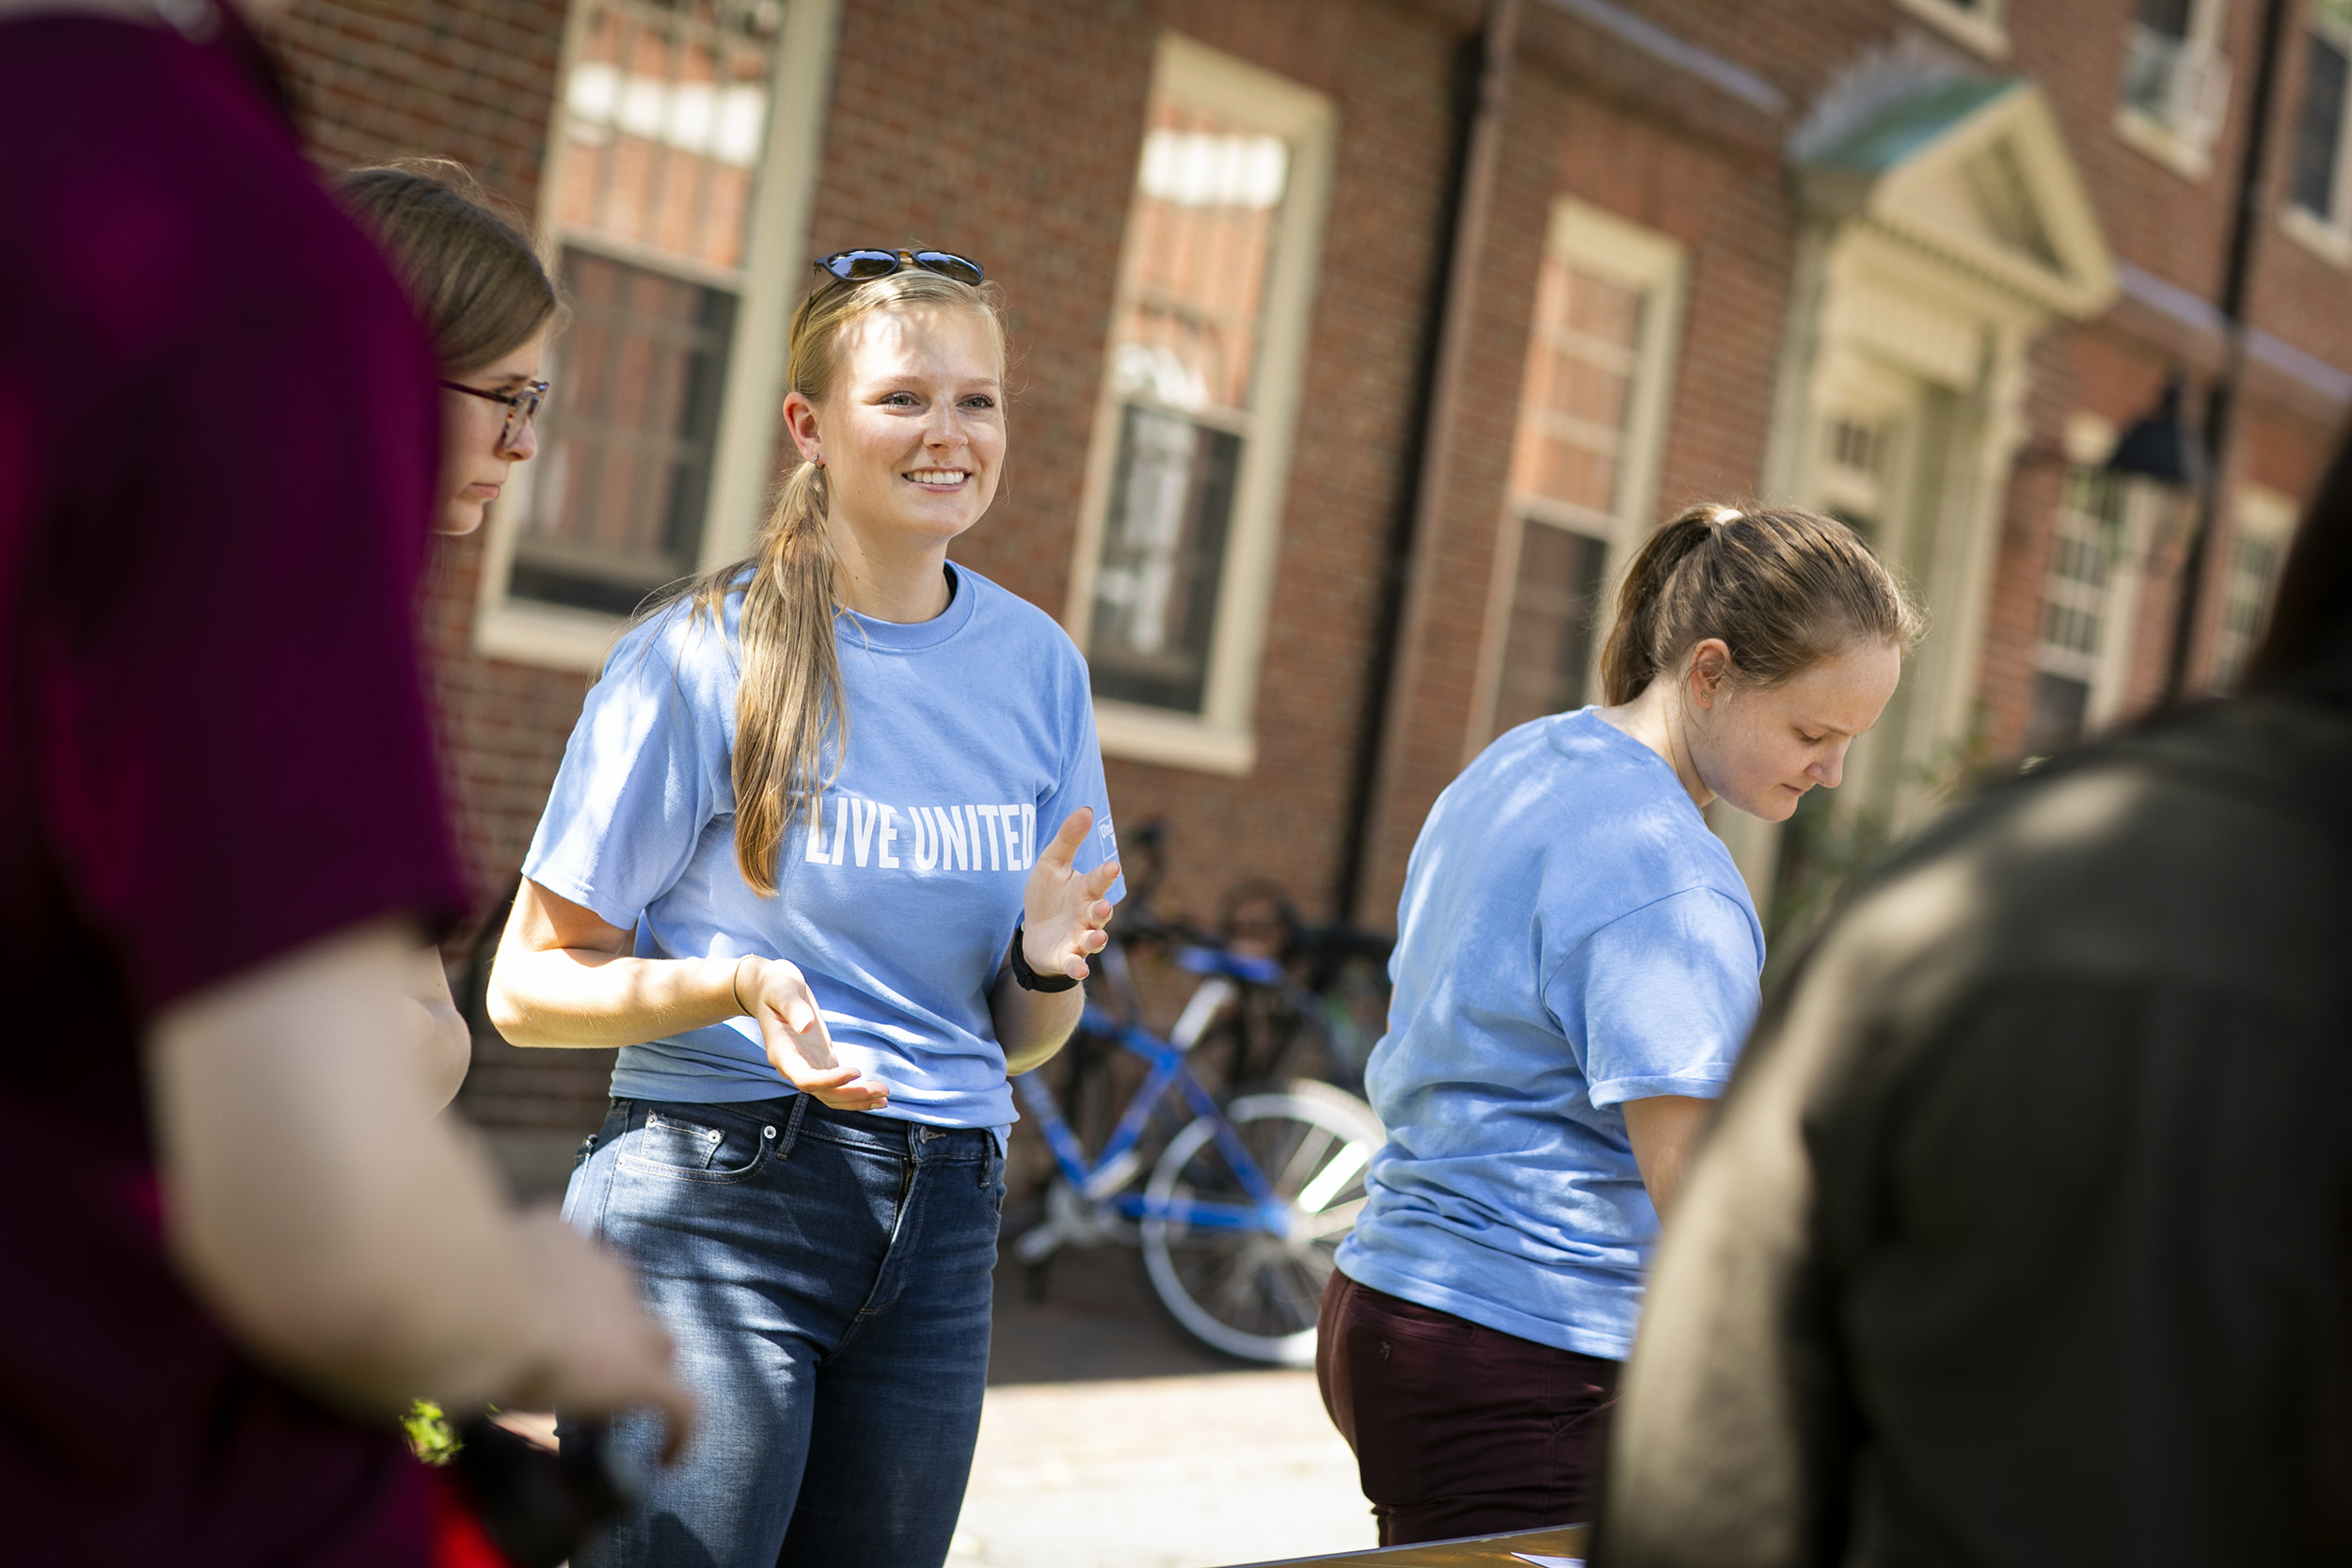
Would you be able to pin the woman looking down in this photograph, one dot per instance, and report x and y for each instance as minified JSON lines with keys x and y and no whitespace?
{"x":827,"y":855}
{"x":477,"y":282}
{"x":1576,"y":968}
{"x":488,"y":307}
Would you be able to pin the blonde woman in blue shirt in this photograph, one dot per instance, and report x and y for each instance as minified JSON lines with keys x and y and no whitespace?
{"x":827,"y":854}
{"x":1575,"y":971}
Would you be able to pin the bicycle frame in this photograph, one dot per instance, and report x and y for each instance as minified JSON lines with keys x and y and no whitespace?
{"x":1101,"y":1180}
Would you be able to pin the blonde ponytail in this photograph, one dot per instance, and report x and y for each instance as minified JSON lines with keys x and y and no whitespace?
{"x":789,"y":705}
{"x":791,"y":720}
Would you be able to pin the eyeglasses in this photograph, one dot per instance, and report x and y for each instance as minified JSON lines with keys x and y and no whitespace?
{"x":521,"y":407}
{"x":863,"y":266}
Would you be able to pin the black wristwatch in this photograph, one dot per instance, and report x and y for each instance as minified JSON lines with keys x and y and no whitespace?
{"x":1029,"y":978}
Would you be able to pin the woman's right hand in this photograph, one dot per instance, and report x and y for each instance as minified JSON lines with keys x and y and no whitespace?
{"x":775,"y":995}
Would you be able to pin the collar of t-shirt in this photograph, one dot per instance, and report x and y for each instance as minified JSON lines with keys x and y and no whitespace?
{"x":910,"y":636}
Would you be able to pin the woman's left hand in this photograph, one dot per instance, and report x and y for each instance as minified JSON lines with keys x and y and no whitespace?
{"x":1063,"y":913}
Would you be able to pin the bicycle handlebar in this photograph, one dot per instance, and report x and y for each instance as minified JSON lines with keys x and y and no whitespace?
{"x":1247,"y":967}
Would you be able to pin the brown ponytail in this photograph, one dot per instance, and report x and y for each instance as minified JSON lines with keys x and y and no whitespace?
{"x":791,"y":723}
{"x":1782,"y":588}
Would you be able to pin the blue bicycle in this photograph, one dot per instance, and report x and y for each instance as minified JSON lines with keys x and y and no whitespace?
{"x":1244,"y":1206}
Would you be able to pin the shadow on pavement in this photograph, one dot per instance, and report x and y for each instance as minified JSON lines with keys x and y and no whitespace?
{"x":1088,"y":1315}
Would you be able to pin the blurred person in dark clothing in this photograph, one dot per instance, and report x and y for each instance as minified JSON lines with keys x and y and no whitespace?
{"x":2024,"y":1235}
{"x":237,"y":1241}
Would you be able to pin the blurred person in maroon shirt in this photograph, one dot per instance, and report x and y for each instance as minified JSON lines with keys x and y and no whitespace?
{"x":238,"y":1239}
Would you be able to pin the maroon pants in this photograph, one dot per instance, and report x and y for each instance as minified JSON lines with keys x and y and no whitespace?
{"x":1459,"y":1428}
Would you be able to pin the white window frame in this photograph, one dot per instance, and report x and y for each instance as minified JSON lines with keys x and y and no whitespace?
{"x":1220,"y":739}
{"x":1591,"y":239}
{"x":775,"y":247}
{"x":2183,"y":142}
{"x":1983,"y":28}
{"x":2143,"y":512}
{"x":2331,"y":238}
{"x":2262,"y":514}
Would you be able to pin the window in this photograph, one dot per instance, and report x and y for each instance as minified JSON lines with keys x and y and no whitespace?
{"x":2316,"y":206}
{"x":2088,"y":633}
{"x":1555,"y":611}
{"x":2258,"y":548}
{"x":1192,"y":436}
{"x":2175,"y":88}
{"x":1856,"y":453}
{"x":2069,"y":641}
{"x":1584,"y":459}
{"x":626,"y":472}
{"x":648,"y":468}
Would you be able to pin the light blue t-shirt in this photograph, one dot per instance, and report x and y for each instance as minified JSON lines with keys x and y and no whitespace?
{"x":1571,"y":937}
{"x":971,"y":738}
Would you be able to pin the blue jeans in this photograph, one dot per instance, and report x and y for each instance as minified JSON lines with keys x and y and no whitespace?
{"x":826,"y":1275}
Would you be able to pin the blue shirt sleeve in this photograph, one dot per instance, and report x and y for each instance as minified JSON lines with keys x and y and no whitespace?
{"x":645,"y":772}
{"x":1081,"y":783}
{"x":1660,"y":1000}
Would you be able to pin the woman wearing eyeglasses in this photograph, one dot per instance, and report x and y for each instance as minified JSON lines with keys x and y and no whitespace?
{"x":826,"y":858}
{"x":488,"y":307}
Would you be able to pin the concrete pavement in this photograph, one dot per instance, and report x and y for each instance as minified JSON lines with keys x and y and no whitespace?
{"x":1112,"y":1440}
{"x":1178,"y":1472}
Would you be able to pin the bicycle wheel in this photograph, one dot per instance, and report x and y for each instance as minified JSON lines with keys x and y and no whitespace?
{"x":1234,"y":1284}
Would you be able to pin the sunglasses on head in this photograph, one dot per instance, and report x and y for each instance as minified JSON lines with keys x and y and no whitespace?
{"x":862,"y":266}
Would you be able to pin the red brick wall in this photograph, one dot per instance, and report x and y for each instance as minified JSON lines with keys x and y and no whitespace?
{"x":1011,"y":132}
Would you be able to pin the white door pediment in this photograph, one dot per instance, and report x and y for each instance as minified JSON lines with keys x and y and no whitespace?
{"x":1975,"y":171}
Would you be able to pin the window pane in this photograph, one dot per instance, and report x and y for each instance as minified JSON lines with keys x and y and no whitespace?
{"x":2067,"y":644}
{"x":1207,"y":192}
{"x":617,"y":501}
{"x":1185,"y":334}
{"x":666,"y":110}
{"x":1162,"y":550}
{"x":2319,"y":133}
{"x":2254,"y":563}
{"x":1550,"y":645}
{"x":2168,"y":17}
{"x":2059,"y":702}
{"x":1577,"y":388}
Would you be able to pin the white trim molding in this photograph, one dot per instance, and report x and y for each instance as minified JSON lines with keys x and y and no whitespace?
{"x":1981,"y":26}
{"x":1219,"y":737}
{"x":1977,"y":173}
{"x":2332,"y":242}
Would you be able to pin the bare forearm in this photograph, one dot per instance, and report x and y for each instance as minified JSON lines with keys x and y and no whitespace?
{"x":388,"y":1269}
{"x":1666,"y":1130}
{"x":567,"y":996}
{"x":1032,"y":1025}
{"x":446,"y":1048}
